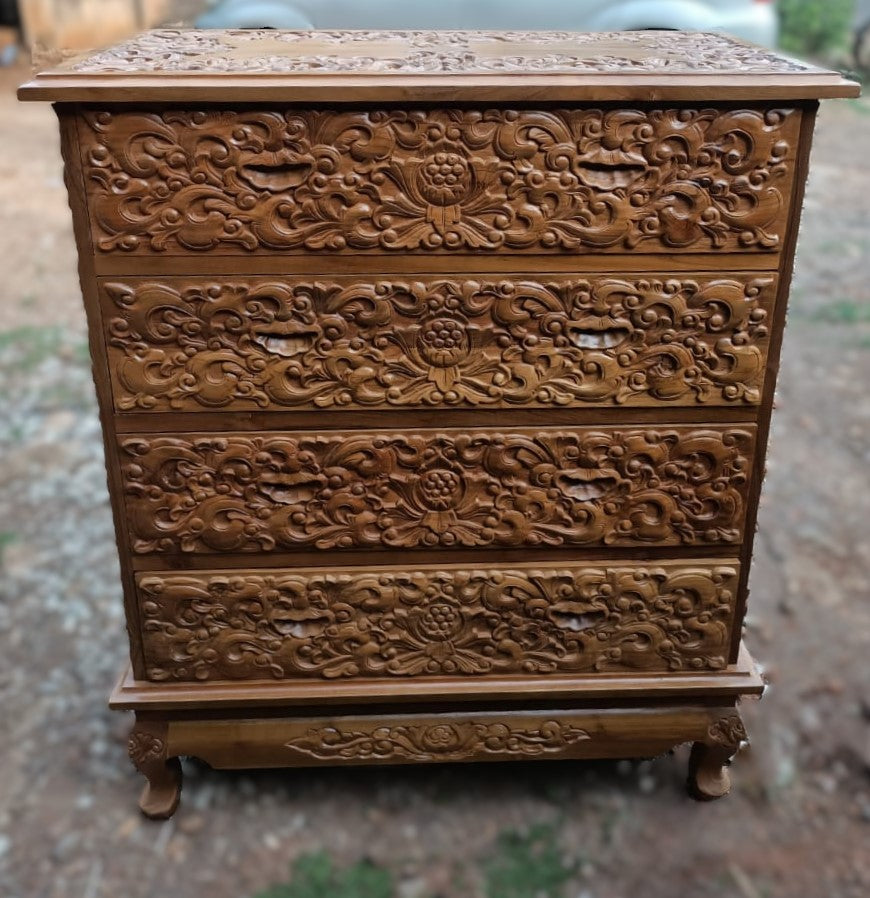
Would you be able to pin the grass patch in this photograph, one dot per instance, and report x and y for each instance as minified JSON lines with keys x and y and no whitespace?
{"x":858,"y":104}
{"x":82,"y":353}
{"x":7,"y":537}
{"x":30,"y":344}
{"x":527,"y":865}
{"x":314,"y":876}
{"x":844,"y":311}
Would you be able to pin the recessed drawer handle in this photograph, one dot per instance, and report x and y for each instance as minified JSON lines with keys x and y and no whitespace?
{"x":286,"y":345}
{"x":576,"y":621}
{"x":607,"y":338}
{"x":276,"y":176}
{"x":609,"y":175}
{"x":584,"y":488}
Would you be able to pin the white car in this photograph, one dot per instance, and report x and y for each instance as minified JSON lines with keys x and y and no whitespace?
{"x":752,"y":20}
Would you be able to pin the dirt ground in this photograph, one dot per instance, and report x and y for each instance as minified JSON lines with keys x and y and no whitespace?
{"x":798,"y":822}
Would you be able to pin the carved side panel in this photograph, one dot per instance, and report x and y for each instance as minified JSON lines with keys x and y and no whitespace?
{"x":254,"y":342}
{"x":447,"y":741}
{"x":259,"y":492}
{"x":441,"y":180}
{"x":430,"y":622}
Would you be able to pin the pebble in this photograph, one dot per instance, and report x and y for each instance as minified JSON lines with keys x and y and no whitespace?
{"x":65,"y":846}
{"x":647,"y":784}
{"x":191,"y":824}
{"x":412,"y":888}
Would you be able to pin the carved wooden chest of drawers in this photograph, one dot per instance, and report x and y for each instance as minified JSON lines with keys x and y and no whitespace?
{"x":435,"y":374}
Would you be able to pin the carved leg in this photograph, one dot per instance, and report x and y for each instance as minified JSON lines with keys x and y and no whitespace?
{"x":147,"y":747}
{"x":709,"y":760}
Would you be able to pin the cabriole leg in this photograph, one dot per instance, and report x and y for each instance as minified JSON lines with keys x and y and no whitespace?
{"x":709,"y":760}
{"x":148,"y":752}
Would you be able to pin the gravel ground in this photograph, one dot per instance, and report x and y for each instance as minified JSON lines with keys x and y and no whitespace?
{"x":798,"y":822}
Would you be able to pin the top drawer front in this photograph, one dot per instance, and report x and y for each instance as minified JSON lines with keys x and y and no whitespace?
{"x":439,"y":180}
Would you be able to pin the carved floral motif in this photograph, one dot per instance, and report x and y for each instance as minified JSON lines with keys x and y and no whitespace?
{"x":143,"y":746}
{"x":423,"y":52}
{"x":454,"y":741}
{"x":258,"y":492}
{"x":482,"y":180}
{"x":728,"y":731}
{"x":249,"y":625}
{"x":194,"y":343}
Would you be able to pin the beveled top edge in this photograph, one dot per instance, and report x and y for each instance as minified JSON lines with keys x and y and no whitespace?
{"x":382,"y":65}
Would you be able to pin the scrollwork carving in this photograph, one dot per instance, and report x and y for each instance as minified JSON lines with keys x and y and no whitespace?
{"x":452,"y":741}
{"x":144,"y":747}
{"x":258,"y":492}
{"x":248,"y":625}
{"x":425,"y":52}
{"x":728,"y":732}
{"x":440,"y":180}
{"x":278,"y":342}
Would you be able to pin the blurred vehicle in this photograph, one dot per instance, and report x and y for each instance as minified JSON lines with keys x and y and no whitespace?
{"x":752,"y":20}
{"x":861,"y":45}
{"x":8,"y":31}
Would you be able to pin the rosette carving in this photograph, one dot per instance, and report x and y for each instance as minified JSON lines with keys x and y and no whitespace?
{"x":256,"y":342}
{"x":483,"y":180}
{"x":143,"y":747}
{"x":728,"y":732}
{"x":259,"y":492}
{"x":250,"y":625}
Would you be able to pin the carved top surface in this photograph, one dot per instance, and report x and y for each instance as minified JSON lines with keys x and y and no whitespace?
{"x":426,"y":52}
{"x":245,"y":56}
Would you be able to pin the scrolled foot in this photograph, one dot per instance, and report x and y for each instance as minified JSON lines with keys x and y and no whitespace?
{"x":708,"y":763}
{"x":148,"y":752}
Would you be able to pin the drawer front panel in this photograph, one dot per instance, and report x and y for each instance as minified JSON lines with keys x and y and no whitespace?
{"x":453,"y":622}
{"x":681,"y":485}
{"x":348,"y":342}
{"x":670,"y":179}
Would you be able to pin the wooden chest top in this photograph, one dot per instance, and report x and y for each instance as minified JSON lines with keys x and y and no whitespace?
{"x":396,"y":66}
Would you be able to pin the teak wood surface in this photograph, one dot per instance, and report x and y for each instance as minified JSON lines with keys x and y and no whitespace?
{"x":408,"y":66}
{"x":435,"y":374}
